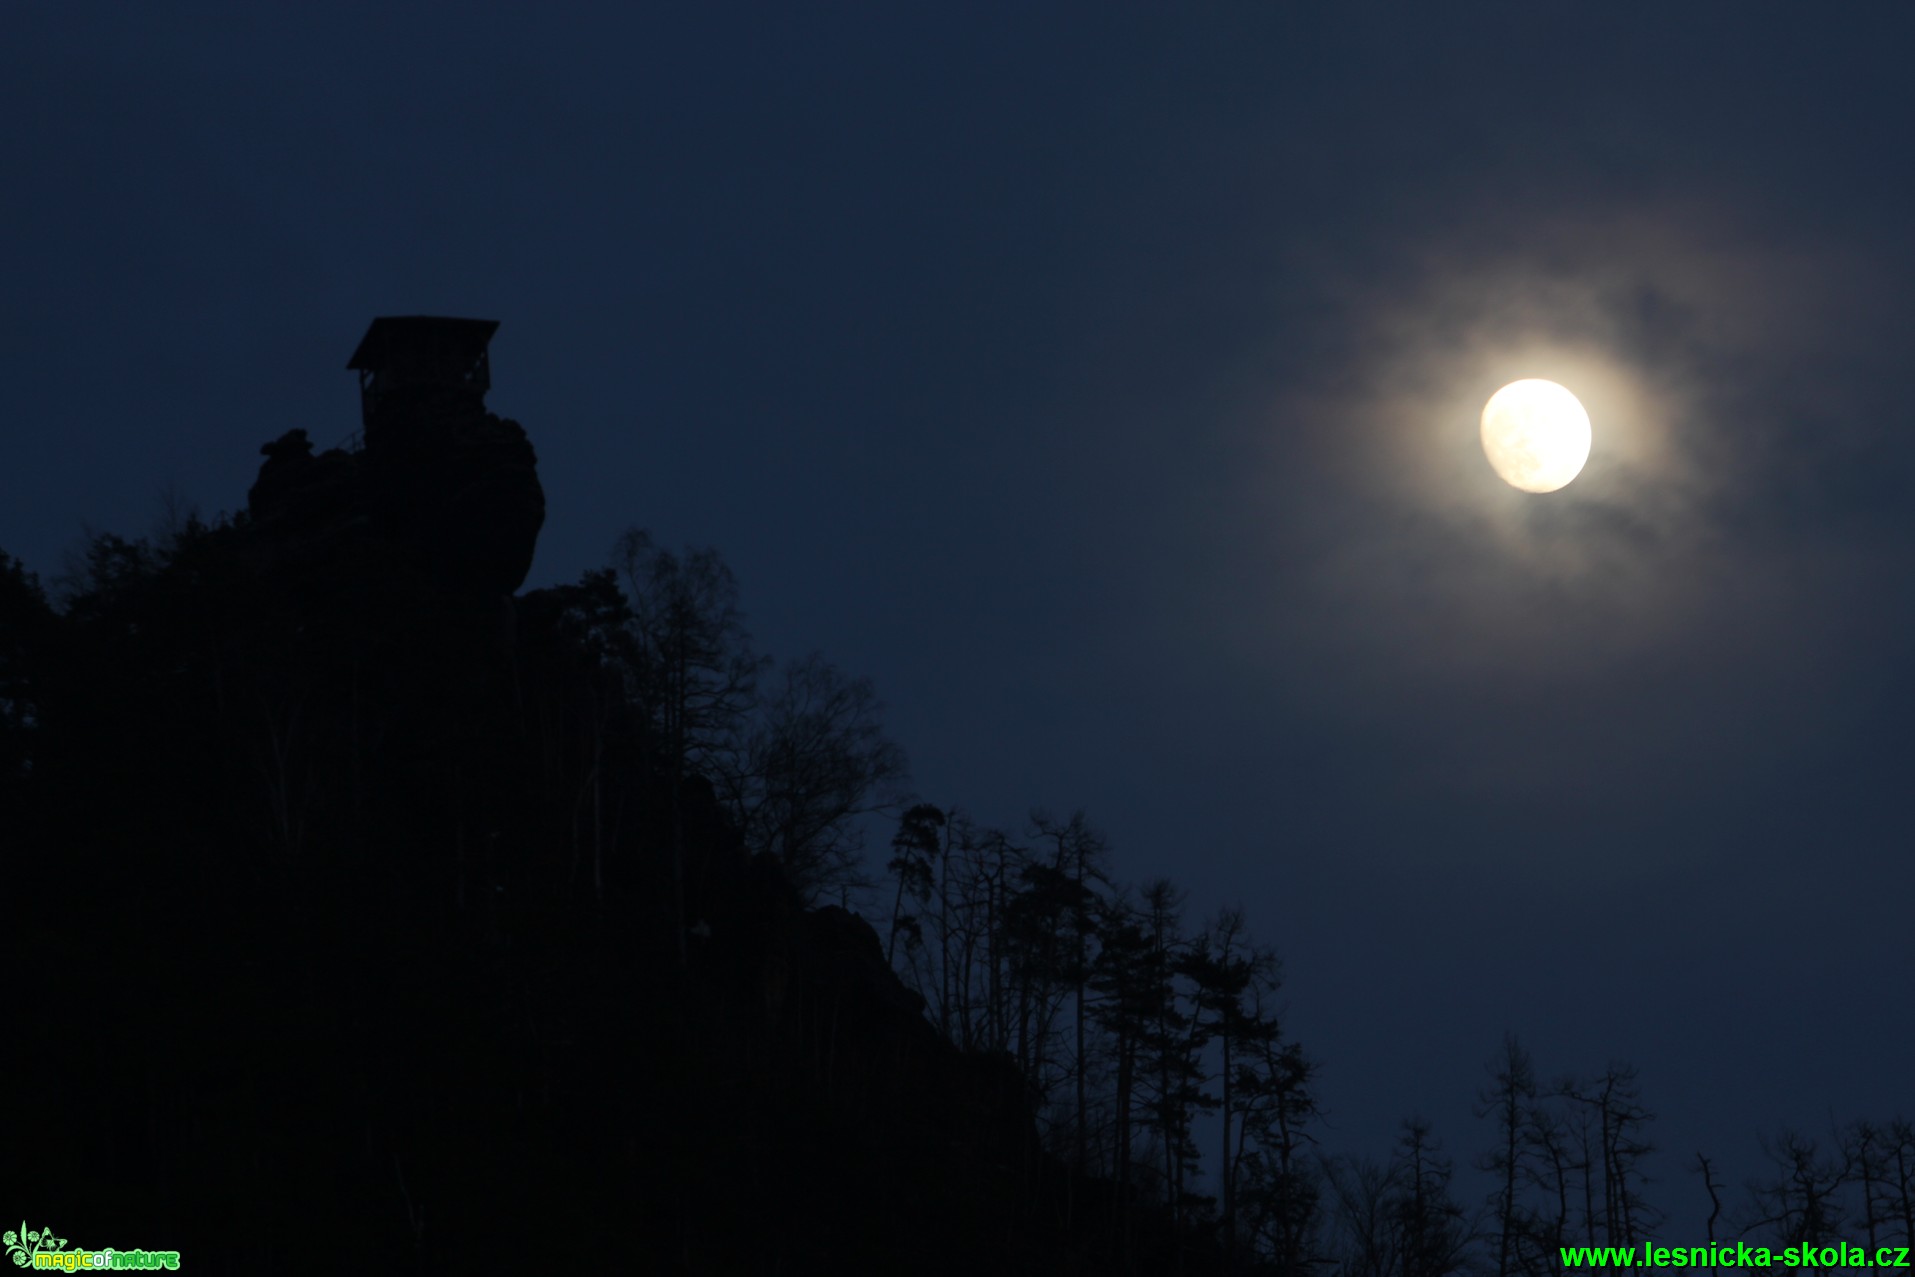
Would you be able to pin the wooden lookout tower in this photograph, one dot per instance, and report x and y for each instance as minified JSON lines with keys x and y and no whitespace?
{"x":405,"y":358}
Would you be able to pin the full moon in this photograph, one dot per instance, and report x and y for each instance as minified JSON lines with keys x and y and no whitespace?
{"x":1536,"y":435}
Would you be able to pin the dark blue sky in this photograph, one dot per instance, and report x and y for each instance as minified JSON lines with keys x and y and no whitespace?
{"x":1103,"y":382}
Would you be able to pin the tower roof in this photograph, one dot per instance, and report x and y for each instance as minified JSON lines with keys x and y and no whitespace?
{"x":397,"y":337}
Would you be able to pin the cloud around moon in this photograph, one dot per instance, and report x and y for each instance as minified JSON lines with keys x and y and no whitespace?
{"x":1694,"y":574}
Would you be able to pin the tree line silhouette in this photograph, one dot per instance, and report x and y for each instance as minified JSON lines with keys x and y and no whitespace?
{"x":365,"y":915}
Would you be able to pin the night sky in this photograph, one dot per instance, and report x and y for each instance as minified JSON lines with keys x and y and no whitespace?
{"x":1104,"y":384}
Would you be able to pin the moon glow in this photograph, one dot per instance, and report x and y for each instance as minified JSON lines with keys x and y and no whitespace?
{"x":1536,"y":435}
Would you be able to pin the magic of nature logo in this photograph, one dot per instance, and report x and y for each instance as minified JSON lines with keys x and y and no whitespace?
{"x":39,"y":1248}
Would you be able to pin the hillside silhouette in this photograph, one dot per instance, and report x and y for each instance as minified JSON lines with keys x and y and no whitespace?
{"x":369,"y":915}
{"x":293,"y":807}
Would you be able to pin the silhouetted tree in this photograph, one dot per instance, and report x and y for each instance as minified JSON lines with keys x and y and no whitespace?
{"x":1898,"y":1188}
{"x":587,"y":671}
{"x":1433,"y":1232}
{"x":1363,"y":1197}
{"x":1863,"y":1147}
{"x":1077,"y":854}
{"x":1507,"y":1101}
{"x":914,"y":849}
{"x":1613,"y":1100}
{"x":1225,"y":969}
{"x":1125,"y":984}
{"x":1173,"y":1043}
{"x":1282,"y":1191}
{"x":1551,"y":1168}
{"x":979,"y":874}
{"x":815,"y":760}
{"x":695,"y":672}
{"x":1714,"y":1189}
{"x":1278,"y":1192}
{"x":1799,"y":1204}
{"x":1035,"y":937}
